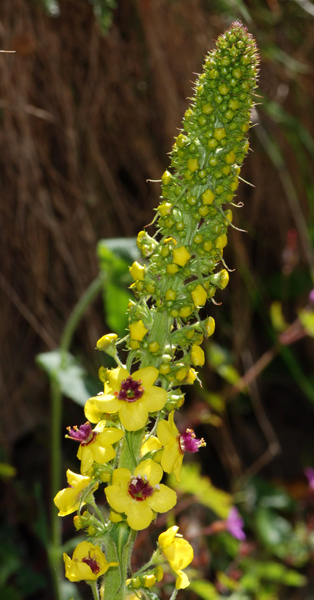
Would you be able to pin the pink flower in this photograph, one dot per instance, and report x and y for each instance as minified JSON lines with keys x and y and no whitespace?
{"x":309,"y":472}
{"x":234,"y":524}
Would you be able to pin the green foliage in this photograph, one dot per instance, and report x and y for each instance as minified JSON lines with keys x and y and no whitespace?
{"x":72,"y":377}
{"x":115,"y":256}
{"x":204,"y":589}
{"x":193,"y":483}
{"x":103,"y":10}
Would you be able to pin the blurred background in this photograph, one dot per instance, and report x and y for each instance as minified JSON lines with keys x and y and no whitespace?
{"x":89,"y":105}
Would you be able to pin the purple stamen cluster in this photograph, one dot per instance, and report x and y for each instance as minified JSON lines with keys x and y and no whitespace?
{"x":130,"y":390}
{"x":140,"y":489}
{"x":82,"y":434}
{"x":92,"y":563}
{"x":188,"y":441}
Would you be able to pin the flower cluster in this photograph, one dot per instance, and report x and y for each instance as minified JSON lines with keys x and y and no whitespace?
{"x":135,"y":439}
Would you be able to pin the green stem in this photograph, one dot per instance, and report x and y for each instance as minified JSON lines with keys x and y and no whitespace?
{"x":54,"y":553}
{"x":89,"y":295}
{"x":94,"y":587}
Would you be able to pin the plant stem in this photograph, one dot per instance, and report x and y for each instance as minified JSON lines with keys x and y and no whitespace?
{"x":94,"y":587}
{"x":54,"y":554}
{"x":89,"y":295}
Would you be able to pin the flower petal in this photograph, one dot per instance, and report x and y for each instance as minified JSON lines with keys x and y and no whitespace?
{"x":133,"y":415}
{"x":166,"y":538}
{"x":177,"y":467}
{"x":118,"y":498}
{"x":121,"y":477}
{"x":67,"y":501}
{"x":77,"y":481}
{"x":151,"y":469}
{"x":170,"y":456}
{"x":85,"y":455}
{"x":139,"y":515}
{"x":165,"y":433}
{"x":102,"y":454}
{"x":163,"y":499}
{"x":110,"y":435}
{"x":180,"y":555}
{"x":155,"y":398}
{"x":182,"y":581}
{"x":147,"y":375}
{"x":107,"y":403}
{"x":92,"y":413}
{"x":116,"y":376}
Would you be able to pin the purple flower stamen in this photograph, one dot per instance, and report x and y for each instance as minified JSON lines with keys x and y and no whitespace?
{"x":82,"y":434}
{"x":92,"y":563}
{"x":130,"y":390}
{"x":140,"y":489}
{"x":188,"y":441}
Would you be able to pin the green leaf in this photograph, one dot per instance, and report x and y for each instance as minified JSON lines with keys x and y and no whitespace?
{"x":204,"y":589}
{"x":273,"y":529}
{"x":70,"y":375}
{"x":115,"y":256}
{"x":294,"y":578}
{"x":192,"y":482}
{"x":124,"y":248}
{"x":220,"y":360}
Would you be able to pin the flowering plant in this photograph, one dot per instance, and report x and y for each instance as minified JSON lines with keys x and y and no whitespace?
{"x":135,"y":438}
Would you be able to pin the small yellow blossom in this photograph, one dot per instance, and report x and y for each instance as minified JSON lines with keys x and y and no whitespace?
{"x":175,"y":445}
{"x":106,"y":340}
{"x":197,"y":356}
{"x":181,"y":256}
{"x":137,"y":271}
{"x":68,"y":500}
{"x":87,"y":564}
{"x":137,"y":330}
{"x":199,"y":295}
{"x":132,"y":396}
{"x":210,"y":326}
{"x":95,"y":444}
{"x":208,"y":197}
{"x":178,"y":552}
{"x":150,"y":445}
{"x":140,"y":495}
{"x":191,"y":376}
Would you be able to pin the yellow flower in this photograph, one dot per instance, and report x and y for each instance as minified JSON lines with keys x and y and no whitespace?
{"x":137,"y":271}
{"x":178,"y":552}
{"x":141,"y":495}
{"x":199,"y":295}
{"x":68,"y":500}
{"x":88,"y":563}
{"x":151,"y":445}
{"x":95,"y":444}
{"x":137,"y":331}
{"x":132,"y":396}
{"x":197,"y":355}
{"x":175,"y":445}
{"x":181,"y":256}
{"x":92,"y":413}
{"x":106,"y":340}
